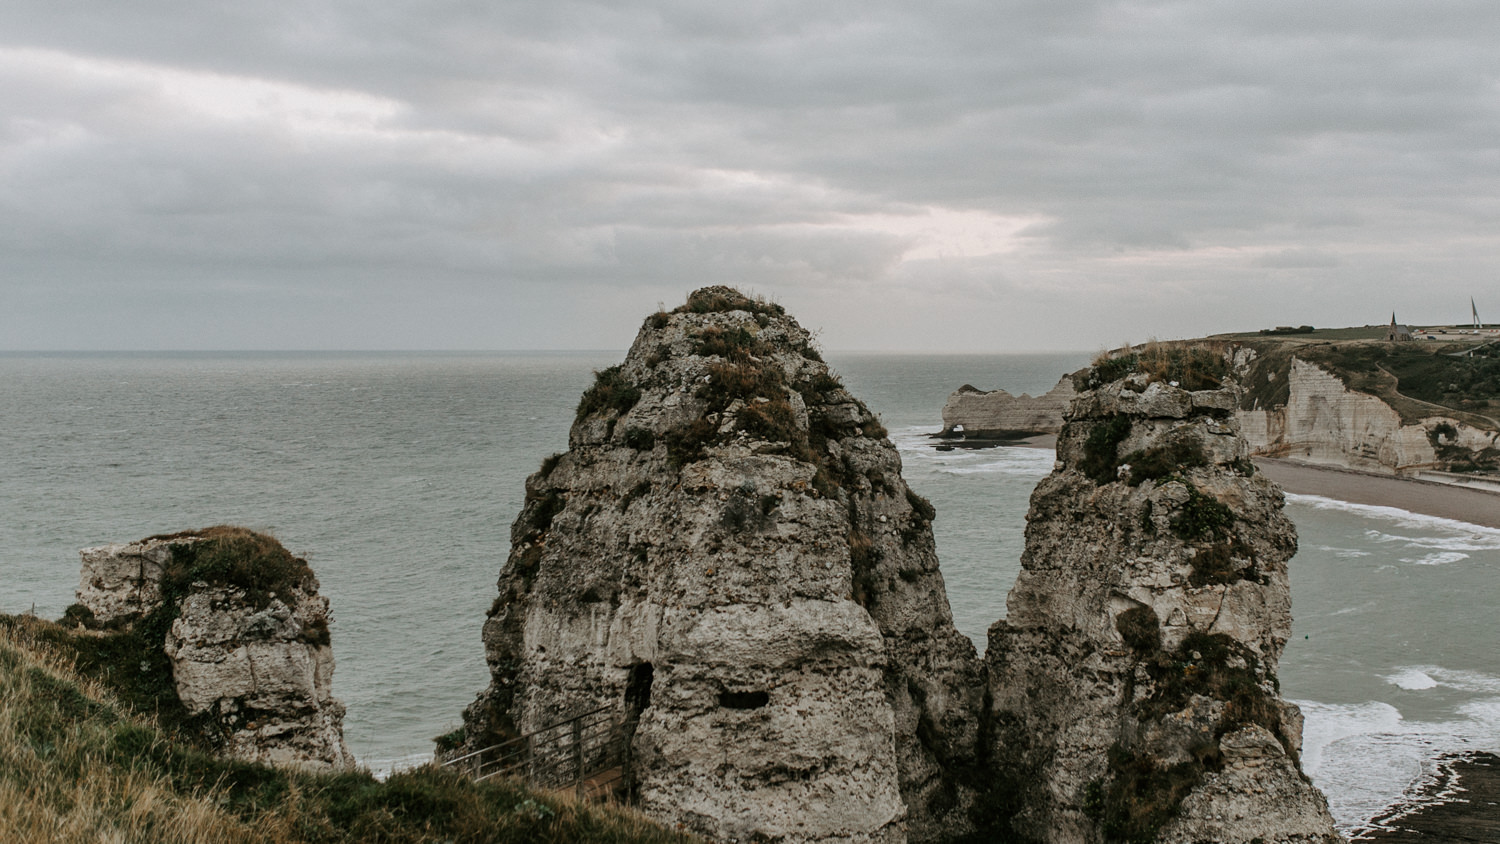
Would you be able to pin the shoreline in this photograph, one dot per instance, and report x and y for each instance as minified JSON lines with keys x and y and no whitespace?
{"x":1458,"y":807}
{"x":1429,"y":498}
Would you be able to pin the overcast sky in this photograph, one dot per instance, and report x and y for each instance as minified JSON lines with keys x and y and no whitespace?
{"x":941,"y":176}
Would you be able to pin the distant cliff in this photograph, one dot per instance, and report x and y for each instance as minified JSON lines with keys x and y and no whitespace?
{"x":1335,"y":403}
{"x":1324,"y":421}
{"x":974,"y":414}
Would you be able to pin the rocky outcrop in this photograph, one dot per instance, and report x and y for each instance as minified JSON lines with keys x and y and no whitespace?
{"x":728,"y":558}
{"x":995,"y":414}
{"x":246,"y":637}
{"x":1132,"y":684}
{"x":1323,"y":421}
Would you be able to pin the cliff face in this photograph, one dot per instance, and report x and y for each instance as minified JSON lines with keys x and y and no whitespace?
{"x":1325,"y":422}
{"x":246,"y":636}
{"x":1132,"y":684}
{"x":728,"y":558}
{"x":996,"y":414}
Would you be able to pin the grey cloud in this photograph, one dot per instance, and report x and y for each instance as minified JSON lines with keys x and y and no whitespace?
{"x":537,"y":150}
{"x":1290,"y":259}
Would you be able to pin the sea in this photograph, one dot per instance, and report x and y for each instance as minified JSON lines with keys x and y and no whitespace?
{"x":398,"y":474}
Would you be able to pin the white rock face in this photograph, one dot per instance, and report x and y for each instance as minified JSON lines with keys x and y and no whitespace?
{"x":259,"y":666}
{"x":1325,"y":422}
{"x":122,"y":582}
{"x":1143,"y":633}
{"x":264,"y":675}
{"x":996,"y":413}
{"x":727,"y":553}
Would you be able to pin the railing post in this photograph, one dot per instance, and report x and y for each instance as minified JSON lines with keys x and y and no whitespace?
{"x":578,"y":756}
{"x":627,"y":755}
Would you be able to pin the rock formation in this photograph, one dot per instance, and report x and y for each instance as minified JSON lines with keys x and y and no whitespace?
{"x":998,"y":415}
{"x":1323,"y":421}
{"x":1132,"y":684}
{"x":728,"y":557}
{"x":245,"y":633}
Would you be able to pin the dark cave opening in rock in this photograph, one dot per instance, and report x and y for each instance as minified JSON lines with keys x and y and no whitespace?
{"x":638,"y":689}
{"x":744,"y":700}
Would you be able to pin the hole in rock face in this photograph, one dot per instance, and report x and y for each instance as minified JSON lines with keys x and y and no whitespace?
{"x":744,"y":700}
{"x":638,"y":688}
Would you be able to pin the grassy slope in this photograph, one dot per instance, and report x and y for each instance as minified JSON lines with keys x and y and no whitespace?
{"x":77,"y":765}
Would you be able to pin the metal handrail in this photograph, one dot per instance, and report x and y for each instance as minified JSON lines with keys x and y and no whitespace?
{"x":577,"y":748}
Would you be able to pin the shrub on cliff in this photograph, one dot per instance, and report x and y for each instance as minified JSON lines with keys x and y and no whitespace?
{"x":237,"y":557}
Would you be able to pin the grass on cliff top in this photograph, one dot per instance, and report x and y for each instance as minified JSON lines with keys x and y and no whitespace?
{"x":1197,"y":365}
{"x":1417,"y":380}
{"x":77,"y":765}
{"x":721,"y":299}
{"x":229,"y":555}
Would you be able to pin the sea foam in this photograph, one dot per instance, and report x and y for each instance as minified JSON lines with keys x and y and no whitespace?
{"x":1484,"y":538}
{"x":1367,"y":758}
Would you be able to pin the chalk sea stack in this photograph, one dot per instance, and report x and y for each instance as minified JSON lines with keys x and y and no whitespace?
{"x":728,"y":557}
{"x":1133,"y":682}
{"x":243,"y":632}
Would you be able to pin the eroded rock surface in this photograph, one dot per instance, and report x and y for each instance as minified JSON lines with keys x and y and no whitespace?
{"x":246,"y":637}
{"x":728,"y":557}
{"x":1132,"y":683}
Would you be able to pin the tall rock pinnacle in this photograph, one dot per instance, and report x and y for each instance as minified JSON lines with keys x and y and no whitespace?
{"x":728,"y":558}
{"x":1133,"y":682}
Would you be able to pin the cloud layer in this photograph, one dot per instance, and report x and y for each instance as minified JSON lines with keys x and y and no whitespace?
{"x":964,"y":176}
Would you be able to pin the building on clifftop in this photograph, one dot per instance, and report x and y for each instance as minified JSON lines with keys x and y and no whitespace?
{"x":1395,"y":333}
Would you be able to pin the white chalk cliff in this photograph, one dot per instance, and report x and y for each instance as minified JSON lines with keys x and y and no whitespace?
{"x":1325,"y":422}
{"x":997,"y":414}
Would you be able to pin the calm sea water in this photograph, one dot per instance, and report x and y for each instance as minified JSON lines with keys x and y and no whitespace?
{"x":398,"y":475}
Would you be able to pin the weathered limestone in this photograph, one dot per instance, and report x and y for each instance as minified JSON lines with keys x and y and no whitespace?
{"x":122,"y":582}
{"x":996,"y":414}
{"x":248,"y":649}
{"x":728,"y":557}
{"x":1323,"y":421}
{"x":1132,"y":682}
{"x":263,"y":674}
